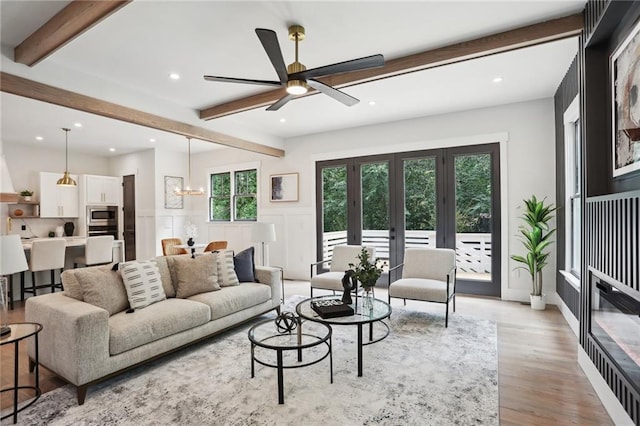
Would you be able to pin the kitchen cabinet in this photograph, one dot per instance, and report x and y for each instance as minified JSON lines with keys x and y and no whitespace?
{"x":57,"y":201}
{"x":102,"y":190}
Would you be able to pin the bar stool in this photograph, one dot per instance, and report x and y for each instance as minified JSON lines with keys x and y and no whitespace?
{"x":97,"y":251}
{"x":46,"y":255}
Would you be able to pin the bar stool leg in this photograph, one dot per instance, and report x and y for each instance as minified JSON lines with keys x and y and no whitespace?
{"x":22,"y":286}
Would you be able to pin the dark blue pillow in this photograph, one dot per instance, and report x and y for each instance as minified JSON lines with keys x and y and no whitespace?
{"x":245,"y":268}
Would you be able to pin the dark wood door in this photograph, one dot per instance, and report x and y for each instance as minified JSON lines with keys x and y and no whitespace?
{"x":129,"y":216}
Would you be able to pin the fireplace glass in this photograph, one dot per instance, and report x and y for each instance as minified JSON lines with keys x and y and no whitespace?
{"x":615,"y":325}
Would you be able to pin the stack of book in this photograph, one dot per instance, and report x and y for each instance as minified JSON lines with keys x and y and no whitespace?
{"x":331,"y":308}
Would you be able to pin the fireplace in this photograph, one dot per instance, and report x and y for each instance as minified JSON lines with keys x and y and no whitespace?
{"x":615,"y":323}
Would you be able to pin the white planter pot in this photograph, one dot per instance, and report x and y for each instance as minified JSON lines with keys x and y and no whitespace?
{"x":538,"y":302}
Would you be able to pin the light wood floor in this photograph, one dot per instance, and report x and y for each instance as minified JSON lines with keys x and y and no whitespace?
{"x":540,"y":382}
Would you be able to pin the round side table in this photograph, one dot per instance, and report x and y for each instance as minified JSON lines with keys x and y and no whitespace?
{"x":21,"y":331}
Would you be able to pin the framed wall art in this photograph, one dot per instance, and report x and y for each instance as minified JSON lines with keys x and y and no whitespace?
{"x":171,"y":199}
{"x":625,"y":90}
{"x":284,"y":187}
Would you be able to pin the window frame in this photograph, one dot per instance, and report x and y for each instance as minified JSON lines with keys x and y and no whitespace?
{"x":573,"y":190}
{"x":232,"y":170}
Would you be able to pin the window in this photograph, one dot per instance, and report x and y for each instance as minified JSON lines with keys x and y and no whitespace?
{"x":573,"y":188}
{"x":233,"y":196}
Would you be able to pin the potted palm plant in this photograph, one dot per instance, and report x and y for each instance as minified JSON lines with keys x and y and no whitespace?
{"x":535,"y":235}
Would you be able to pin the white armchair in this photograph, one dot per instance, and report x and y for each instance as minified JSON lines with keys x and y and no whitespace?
{"x":342,"y":257}
{"x":428,"y":275}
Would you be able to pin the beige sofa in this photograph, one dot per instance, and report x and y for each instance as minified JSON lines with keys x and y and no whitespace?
{"x":84,"y":344}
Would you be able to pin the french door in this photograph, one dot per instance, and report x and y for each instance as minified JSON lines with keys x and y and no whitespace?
{"x":435,"y":198}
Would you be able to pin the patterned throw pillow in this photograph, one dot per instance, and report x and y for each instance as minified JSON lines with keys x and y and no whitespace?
{"x":226,"y":270}
{"x":195,"y":276}
{"x":142,"y":282}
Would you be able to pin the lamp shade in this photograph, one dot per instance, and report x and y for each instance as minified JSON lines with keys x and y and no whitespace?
{"x":12,"y":258}
{"x":263,"y":232}
{"x":7,"y":193}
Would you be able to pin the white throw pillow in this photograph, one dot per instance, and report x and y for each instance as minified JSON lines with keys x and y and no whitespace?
{"x":226,"y":270}
{"x":142,"y":282}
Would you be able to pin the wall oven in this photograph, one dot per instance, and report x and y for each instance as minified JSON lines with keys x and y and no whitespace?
{"x":102,"y":220}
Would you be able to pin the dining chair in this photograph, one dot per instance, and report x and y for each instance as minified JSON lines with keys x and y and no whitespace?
{"x":216,"y":245}
{"x":169,"y":249}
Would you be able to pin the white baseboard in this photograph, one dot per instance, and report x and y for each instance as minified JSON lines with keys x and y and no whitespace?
{"x":608,"y":398}
{"x":568,"y":316}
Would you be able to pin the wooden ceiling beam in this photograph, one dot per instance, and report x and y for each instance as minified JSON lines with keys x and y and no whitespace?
{"x":76,"y":18}
{"x":32,"y":89}
{"x":531,"y":35}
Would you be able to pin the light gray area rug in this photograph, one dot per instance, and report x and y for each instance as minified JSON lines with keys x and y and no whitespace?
{"x":421,"y":374}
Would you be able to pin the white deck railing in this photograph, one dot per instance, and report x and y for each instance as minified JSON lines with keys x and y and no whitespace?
{"x":473,"y":251}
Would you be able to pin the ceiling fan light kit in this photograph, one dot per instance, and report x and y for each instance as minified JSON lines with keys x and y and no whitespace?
{"x":295,"y":77}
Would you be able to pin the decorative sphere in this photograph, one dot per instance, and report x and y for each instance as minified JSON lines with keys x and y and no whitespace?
{"x":286,"y":322}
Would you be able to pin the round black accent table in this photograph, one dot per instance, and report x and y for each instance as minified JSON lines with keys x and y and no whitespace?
{"x":267,"y":336}
{"x":21,"y":331}
{"x":376,"y":314}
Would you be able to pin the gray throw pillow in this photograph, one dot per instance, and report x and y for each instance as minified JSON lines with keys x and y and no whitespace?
{"x":103,"y":288}
{"x":195,"y":276}
{"x":226,"y":270}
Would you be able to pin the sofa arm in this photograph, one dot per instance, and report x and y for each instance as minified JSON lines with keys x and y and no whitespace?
{"x":74,"y":341}
{"x":272,"y":277}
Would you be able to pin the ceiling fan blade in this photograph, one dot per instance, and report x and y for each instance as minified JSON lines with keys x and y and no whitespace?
{"x":242,"y":80}
{"x":374,"y":61}
{"x":334,"y":93}
{"x":269,"y":41}
{"x":280,"y":103}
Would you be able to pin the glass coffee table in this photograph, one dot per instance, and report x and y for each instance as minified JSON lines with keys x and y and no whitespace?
{"x":376,"y":314}
{"x":307,"y":337}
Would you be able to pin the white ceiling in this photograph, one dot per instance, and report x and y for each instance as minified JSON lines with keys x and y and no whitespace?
{"x":126,"y":59}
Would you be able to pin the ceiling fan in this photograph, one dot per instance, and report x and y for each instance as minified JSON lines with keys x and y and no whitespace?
{"x":296,"y":77}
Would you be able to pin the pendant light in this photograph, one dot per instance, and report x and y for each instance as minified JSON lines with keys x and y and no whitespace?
{"x":66,"y":180}
{"x":188,"y":190}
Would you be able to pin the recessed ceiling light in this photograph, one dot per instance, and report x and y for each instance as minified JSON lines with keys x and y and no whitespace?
{"x":112,"y":149}
{"x":174,"y":76}
{"x":77,"y":124}
{"x":39,"y":138}
{"x":372,"y":103}
{"x":497,"y":80}
{"x":283,"y":120}
{"x":152,"y":140}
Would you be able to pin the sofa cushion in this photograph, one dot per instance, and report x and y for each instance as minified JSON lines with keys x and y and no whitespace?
{"x":195,"y":276}
{"x":143,"y":283}
{"x":226,"y":268}
{"x":233,"y":299}
{"x":103,"y":288}
{"x":329,"y":281}
{"x":165,"y":276}
{"x":171,"y":316}
{"x":244,"y":265}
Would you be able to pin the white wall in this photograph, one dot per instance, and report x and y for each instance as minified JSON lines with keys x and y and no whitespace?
{"x":526,"y":133}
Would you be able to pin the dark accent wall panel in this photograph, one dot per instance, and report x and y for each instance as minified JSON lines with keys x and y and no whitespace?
{"x":566,"y":93}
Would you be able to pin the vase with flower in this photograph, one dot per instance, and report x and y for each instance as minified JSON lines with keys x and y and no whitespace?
{"x":367,"y":273}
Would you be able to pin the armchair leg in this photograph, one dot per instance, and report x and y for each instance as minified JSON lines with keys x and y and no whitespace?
{"x":311,"y":291}
{"x":454,"y":302}
{"x":446,"y":316}
{"x":405,"y":302}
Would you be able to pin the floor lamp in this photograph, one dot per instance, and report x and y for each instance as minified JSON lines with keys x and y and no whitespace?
{"x":12,"y":260}
{"x":263,"y":233}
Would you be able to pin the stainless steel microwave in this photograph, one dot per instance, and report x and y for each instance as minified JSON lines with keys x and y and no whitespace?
{"x":102,"y":215}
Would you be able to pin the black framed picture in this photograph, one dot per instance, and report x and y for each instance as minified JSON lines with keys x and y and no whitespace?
{"x":625,"y":89}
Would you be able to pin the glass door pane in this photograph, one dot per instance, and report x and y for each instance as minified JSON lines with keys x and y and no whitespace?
{"x":374,"y":190}
{"x":334,"y":209}
{"x":473,"y":216}
{"x":420,"y":202}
